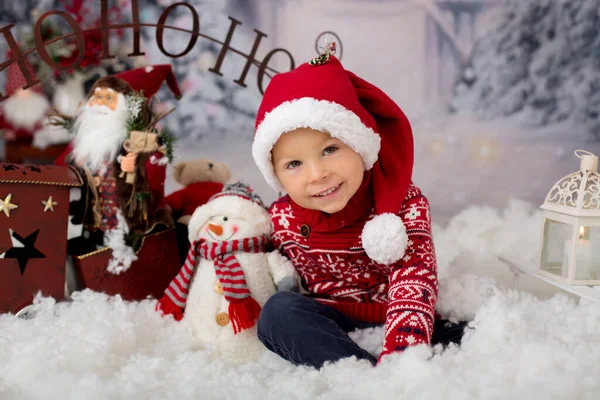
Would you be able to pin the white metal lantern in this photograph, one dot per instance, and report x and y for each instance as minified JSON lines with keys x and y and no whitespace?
{"x":571,"y":230}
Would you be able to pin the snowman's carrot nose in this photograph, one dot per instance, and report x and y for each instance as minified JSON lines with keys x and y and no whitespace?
{"x":216,"y":229}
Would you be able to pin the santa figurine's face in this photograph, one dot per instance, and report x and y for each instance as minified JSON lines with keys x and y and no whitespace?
{"x":100,"y":129}
{"x":25,"y":109}
{"x":103,"y":97}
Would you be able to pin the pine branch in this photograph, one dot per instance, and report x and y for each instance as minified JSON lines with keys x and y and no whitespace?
{"x":168,"y":140}
{"x":134,"y":124}
{"x":135,"y":121}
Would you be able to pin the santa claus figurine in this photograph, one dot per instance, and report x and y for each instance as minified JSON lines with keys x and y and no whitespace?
{"x":24,"y":113}
{"x":124,"y":170}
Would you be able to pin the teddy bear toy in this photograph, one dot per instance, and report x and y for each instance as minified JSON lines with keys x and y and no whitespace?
{"x":228,"y":274}
{"x":201,"y":179}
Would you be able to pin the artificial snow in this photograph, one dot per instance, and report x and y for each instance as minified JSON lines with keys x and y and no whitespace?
{"x":517,"y":346}
{"x":122,"y":254}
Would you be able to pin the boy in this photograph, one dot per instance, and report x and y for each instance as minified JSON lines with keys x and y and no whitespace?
{"x":356,"y":228}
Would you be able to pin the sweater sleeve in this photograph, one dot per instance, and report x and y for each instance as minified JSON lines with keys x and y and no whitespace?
{"x":413,"y":285}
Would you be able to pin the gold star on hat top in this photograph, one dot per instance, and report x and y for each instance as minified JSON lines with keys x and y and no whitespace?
{"x":328,"y":51}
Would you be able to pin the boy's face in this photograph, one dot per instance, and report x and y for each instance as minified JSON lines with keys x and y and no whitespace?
{"x":317,"y":171}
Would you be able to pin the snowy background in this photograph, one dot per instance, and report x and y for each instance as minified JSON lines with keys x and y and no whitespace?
{"x":500,"y":93}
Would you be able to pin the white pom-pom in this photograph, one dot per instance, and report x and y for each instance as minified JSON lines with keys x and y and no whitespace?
{"x":159,"y":161}
{"x":384,"y":238}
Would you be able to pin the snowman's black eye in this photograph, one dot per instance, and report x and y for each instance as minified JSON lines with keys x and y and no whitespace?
{"x":225,"y":218}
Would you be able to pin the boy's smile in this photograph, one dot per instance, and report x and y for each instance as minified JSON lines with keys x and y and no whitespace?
{"x":317,"y":171}
{"x":328,"y":192}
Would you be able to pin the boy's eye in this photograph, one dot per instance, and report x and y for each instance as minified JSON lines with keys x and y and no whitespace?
{"x":293,"y":164}
{"x":330,"y":150}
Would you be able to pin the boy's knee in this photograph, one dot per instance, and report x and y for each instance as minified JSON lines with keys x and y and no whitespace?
{"x":278,"y":304}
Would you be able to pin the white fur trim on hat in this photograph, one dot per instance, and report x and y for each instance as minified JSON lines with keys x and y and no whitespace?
{"x":320,"y":115}
{"x":384,"y":238}
{"x":231,"y":205}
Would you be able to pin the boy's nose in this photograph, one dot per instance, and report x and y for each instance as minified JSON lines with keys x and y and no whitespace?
{"x":317,"y":172}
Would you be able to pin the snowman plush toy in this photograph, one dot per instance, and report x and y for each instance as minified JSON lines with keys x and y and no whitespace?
{"x":228,"y":274}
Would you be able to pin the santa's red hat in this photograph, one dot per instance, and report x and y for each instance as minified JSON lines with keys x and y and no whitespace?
{"x":150,"y":79}
{"x":15,"y":79}
{"x":327,"y":98}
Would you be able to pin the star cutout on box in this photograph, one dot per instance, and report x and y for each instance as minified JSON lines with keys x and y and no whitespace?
{"x":6,"y":205}
{"x":49,"y":204}
{"x":22,"y":249}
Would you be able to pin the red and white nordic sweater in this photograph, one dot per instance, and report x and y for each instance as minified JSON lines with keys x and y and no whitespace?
{"x":326,"y":250}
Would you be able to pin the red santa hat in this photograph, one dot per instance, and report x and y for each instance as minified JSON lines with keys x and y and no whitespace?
{"x":150,"y":79}
{"x":327,"y":98}
{"x":15,"y":79}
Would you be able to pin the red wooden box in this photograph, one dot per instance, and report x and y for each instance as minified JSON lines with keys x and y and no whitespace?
{"x":34,"y":212}
{"x":157,"y":264}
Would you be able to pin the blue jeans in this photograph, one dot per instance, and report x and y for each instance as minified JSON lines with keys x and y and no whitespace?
{"x":306,"y":332}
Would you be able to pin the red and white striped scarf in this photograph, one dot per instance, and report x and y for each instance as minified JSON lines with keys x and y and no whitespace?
{"x":243,"y":309}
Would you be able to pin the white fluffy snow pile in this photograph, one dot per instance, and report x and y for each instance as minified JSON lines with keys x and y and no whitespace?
{"x":97,"y":347}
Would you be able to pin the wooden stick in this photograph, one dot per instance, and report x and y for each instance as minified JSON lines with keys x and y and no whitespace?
{"x":158,"y":118}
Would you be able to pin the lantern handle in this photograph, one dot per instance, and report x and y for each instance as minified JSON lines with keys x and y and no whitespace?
{"x":589,"y":161}
{"x":585,"y":152}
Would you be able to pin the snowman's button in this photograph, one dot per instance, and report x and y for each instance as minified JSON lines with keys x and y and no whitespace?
{"x":219,"y":287}
{"x":305,"y":230}
{"x":222,"y":319}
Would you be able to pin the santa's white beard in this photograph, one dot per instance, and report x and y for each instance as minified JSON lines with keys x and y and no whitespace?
{"x":99,"y":134}
{"x":25,"y":112}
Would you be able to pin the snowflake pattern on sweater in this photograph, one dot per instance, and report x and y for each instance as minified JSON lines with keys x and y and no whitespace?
{"x":336,"y":271}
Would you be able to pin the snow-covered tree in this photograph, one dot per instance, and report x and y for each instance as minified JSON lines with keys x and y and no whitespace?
{"x":541,"y":64}
{"x":211,"y":104}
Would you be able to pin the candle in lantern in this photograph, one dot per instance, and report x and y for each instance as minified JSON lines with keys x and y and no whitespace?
{"x":569,"y":205}
{"x":583,"y":257}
